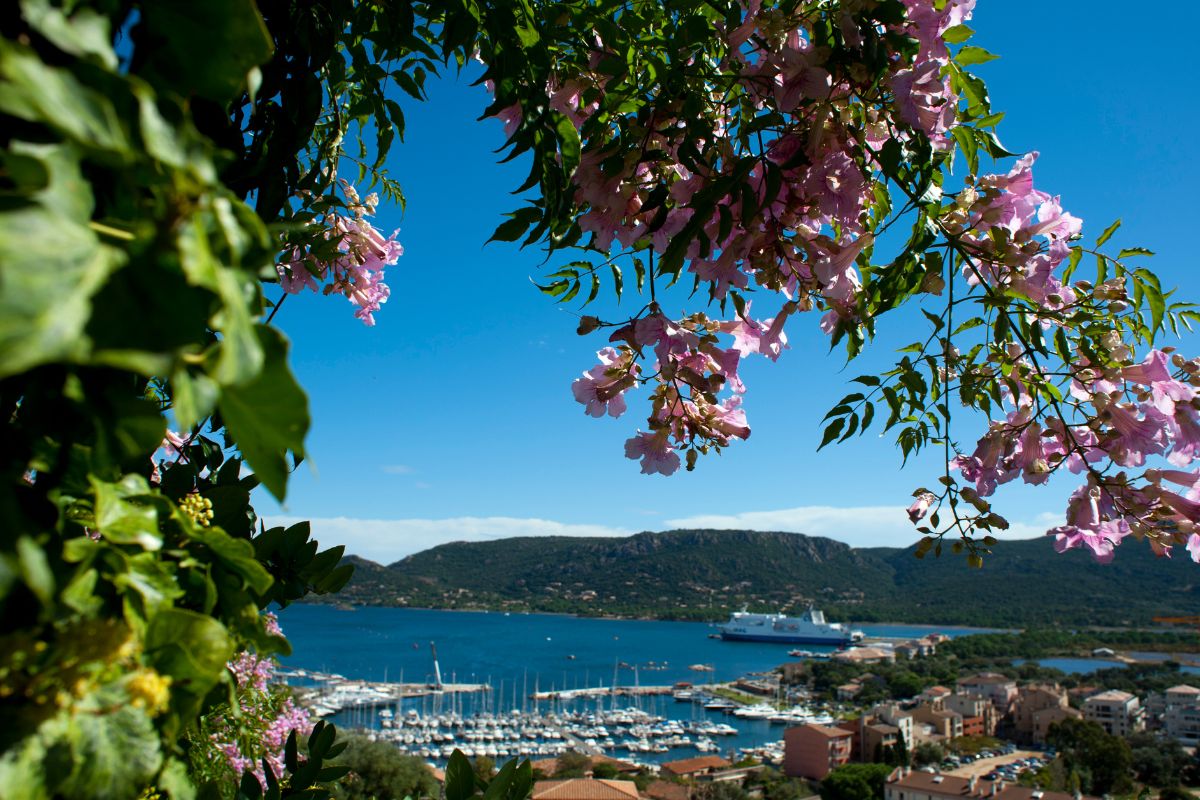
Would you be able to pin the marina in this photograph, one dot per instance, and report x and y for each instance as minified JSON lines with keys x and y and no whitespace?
{"x":538,"y":685}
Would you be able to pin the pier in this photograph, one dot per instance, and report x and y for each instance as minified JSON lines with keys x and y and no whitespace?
{"x":603,"y":691}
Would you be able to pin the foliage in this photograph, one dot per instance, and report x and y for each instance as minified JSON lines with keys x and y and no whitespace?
{"x":855,"y":782}
{"x":721,"y":790}
{"x":572,"y":764}
{"x":514,"y":781}
{"x":1159,"y":760}
{"x":379,"y":770}
{"x":927,"y":753}
{"x":603,"y":771}
{"x":1100,"y":762}
{"x":164,"y":163}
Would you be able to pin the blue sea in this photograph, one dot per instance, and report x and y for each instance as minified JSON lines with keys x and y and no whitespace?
{"x":518,"y":653}
{"x":490,"y":647}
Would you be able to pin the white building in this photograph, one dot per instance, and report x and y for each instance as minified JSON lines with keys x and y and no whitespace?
{"x":1181,"y":715}
{"x":1119,"y":713}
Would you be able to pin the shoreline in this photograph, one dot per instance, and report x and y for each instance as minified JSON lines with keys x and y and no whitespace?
{"x":646,"y":618}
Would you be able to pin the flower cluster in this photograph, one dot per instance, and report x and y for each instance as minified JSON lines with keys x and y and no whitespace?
{"x":357,"y":271}
{"x":265,"y":717}
{"x":792,"y":214}
{"x":773,"y":173}
{"x":690,"y":371}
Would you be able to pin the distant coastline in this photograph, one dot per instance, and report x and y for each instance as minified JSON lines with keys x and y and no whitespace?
{"x":704,"y":575}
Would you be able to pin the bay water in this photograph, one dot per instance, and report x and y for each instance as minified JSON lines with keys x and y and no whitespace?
{"x":518,"y":653}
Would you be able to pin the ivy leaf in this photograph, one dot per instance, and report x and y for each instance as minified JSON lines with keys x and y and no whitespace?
{"x":51,"y":264}
{"x":268,"y":416}
{"x":124,"y":513}
{"x":190,"y":647}
{"x":116,"y":754}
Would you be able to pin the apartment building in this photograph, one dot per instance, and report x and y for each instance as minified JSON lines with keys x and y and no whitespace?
{"x":1119,"y":713}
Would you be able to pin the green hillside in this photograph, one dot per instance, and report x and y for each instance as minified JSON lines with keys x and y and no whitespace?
{"x":704,"y":574}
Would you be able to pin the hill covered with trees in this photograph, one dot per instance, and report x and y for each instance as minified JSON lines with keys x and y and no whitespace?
{"x":704,"y":574}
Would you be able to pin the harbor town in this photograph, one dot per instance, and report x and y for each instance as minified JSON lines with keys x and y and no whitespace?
{"x":881,"y":700}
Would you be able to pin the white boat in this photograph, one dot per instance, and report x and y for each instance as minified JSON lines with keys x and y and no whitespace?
{"x":808,"y":628}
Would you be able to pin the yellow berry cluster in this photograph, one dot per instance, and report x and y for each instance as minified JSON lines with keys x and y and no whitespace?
{"x":200,"y":509}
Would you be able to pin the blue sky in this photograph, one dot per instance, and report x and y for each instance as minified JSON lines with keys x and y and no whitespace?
{"x":453,"y":419}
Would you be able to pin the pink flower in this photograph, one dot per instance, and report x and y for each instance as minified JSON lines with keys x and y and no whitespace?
{"x":925,"y":101}
{"x":252,"y":671}
{"x":1193,"y":546}
{"x":1086,"y":527}
{"x":271,"y":624}
{"x":654,"y":451}
{"x":920,"y":507}
{"x":601,"y":388}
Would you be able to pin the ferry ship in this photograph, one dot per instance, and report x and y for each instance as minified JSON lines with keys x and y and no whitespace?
{"x":808,"y":628}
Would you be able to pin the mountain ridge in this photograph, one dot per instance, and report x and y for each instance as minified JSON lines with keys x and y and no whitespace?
{"x":706,"y":573}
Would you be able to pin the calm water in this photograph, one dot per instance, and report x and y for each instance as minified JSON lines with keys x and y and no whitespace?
{"x":1086,"y":666}
{"x":520,"y":652}
{"x":491,"y":647}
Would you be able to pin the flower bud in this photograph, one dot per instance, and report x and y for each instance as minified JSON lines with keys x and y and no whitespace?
{"x":587,"y":324}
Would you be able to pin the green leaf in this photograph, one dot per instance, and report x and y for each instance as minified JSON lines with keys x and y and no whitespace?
{"x":117,"y":753}
{"x":973,"y":55}
{"x":1108,"y":232}
{"x":85,"y":33}
{"x":957,"y":34}
{"x":51,"y":264}
{"x":460,"y":778}
{"x":832,"y":431}
{"x":33,"y":91}
{"x":125,"y":513}
{"x":1134,"y":251}
{"x":205,"y":49}
{"x":568,"y":142}
{"x":153,"y":579}
{"x":268,"y":416}
{"x":35,"y":569}
{"x":190,"y":647}
{"x":235,"y":555}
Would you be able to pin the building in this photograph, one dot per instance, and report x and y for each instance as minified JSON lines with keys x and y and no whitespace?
{"x":1119,"y":713}
{"x":848,"y":691}
{"x":925,"y":646}
{"x":892,"y":714}
{"x":813,"y":751}
{"x":1000,"y":689}
{"x":1181,"y":715}
{"x":697,"y":768}
{"x":666,"y":790}
{"x":906,"y":784}
{"x":978,"y":714}
{"x":1035,"y":709}
{"x":939,"y":723}
{"x":869,"y":736}
{"x":864,"y":655}
{"x":934,"y":695}
{"x":584,"y":789}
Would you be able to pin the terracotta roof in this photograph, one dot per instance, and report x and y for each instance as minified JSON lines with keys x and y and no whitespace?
{"x":665,"y":790}
{"x":585,"y":789}
{"x":1183,"y":688}
{"x":826,"y":731}
{"x":987,"y":677}
{"x":1114,"y":695}
{"x":697,"y":764}
{"x":938,"y":785}
{"x":945,"y":785}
